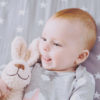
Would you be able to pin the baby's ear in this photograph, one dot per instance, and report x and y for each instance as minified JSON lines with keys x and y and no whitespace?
{"x":82,"y":56}
{"x":32,"y":54}
{"x":18,"y":48}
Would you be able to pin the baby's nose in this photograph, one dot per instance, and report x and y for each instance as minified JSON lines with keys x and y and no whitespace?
{"x":20,"y":66}
{"x":46,"y":48}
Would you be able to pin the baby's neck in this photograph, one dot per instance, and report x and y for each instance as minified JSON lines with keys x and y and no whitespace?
{"x":72,"y":69}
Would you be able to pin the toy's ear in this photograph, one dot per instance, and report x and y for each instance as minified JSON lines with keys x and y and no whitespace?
{"x":32,"y":54}
{"x":18,"y":48}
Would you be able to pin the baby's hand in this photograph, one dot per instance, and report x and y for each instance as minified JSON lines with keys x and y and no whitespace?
{"x":33,"y":95}
{"x":4,"y":90}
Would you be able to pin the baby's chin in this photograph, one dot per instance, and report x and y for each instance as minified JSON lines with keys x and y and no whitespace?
{"x":56,"y":69}
{"x":47,"y":66}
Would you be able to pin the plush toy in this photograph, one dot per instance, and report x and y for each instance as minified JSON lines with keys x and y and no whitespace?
{"x":17,"y":73}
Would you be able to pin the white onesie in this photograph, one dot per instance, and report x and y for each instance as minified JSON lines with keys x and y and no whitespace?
{"x":50,"y":85}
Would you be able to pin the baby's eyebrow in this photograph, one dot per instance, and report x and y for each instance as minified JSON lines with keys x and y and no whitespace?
{"x":42,"y":37}
{"x":57,"y":41}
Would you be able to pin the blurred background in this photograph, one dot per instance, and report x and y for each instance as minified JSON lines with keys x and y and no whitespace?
{"x":27,"y":18}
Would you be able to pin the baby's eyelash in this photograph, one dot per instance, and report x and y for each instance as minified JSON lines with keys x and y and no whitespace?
{"x":43,"y":38}
{"x":56,"y":44}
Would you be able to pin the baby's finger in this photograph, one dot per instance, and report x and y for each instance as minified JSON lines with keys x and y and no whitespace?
{"x":5,"y":91}
{"x":0,"y":94}
{"x":9,"y":89}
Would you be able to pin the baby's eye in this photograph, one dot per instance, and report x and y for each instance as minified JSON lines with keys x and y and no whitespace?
{"x":56,"y":44}
{"x":43,"y":38}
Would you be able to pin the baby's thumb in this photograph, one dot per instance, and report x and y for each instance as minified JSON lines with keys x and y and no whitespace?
{"x":9,"y":89}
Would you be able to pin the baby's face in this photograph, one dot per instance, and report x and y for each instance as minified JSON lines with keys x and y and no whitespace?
{"x":59,"y":45}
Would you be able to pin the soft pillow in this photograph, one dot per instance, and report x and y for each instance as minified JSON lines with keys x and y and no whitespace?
{"x":93,"y":63}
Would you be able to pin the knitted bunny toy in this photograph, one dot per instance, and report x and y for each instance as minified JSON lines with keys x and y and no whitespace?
{"x":17,"y":73}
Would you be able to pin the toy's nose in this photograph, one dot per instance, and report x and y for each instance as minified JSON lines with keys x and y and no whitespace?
{"x":20,"y":66}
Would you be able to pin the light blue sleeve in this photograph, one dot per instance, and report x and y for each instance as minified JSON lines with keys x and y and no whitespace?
{"x":85,"y":89}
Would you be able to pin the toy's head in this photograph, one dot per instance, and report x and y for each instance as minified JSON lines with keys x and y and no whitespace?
{"x":17,"y":73}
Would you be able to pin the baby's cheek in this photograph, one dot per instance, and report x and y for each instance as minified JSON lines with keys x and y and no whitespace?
{"x":58,"y":60}
{"x":40,"y":48}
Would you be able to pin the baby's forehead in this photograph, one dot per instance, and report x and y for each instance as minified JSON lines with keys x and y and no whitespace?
{"x":68,"y":22}
{"x":64,"y":27}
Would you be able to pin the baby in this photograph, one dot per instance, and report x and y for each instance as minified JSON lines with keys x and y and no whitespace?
{"x":66,"y":41}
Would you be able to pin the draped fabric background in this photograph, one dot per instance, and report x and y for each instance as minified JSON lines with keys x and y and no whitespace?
{"x":27,"y":18}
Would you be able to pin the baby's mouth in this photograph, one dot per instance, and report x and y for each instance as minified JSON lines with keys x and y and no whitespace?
{"x":46,"y":59}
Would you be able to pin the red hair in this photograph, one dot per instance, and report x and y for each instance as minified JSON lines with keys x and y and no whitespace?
{"x":85,"y":18}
